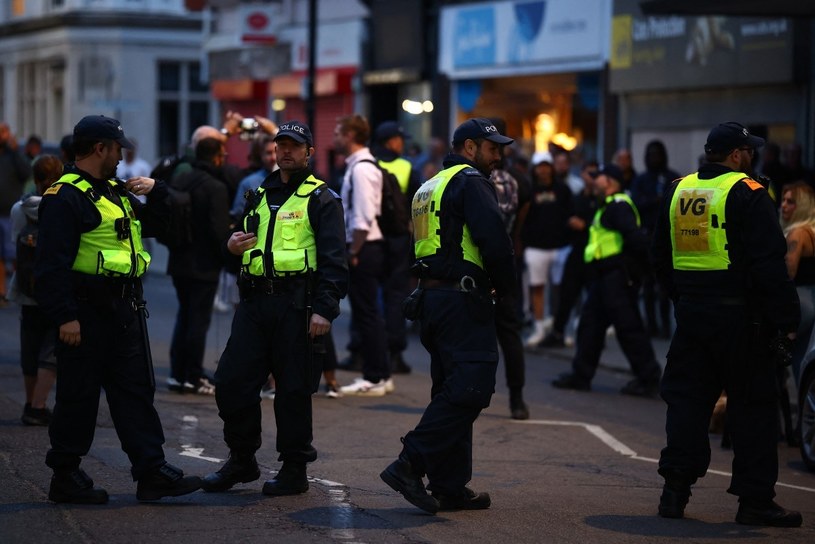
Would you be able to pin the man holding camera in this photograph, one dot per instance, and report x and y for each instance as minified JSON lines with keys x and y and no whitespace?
{"x":719,"y":253}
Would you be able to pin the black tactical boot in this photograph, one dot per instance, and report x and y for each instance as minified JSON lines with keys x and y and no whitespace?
{"x":401,"y":477}
{"x":466,"y":500}
{"x":675,"y":494}
{"x":76,"y":487}
{"x":517,"y":407}
{"x":166,"y":481}
{"x":766,"y":512}
{"x":290,"y":480}
{"x":240,"y":468}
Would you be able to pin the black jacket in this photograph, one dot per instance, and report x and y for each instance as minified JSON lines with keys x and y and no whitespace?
{"x":469,"y":199}
{"x":326,"y":216}
{"x":64,"y":216}
{"x":203,"y":260}
{"x":756,"y":248}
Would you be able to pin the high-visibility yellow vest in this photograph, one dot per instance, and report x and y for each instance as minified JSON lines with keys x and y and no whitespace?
{"x":697,"y":213}
{"x":604,"y":243}
{"x":425,"y":211}
{"x":292,"y":249}
{"x":400,"y":168}
{"x":114,"y":248}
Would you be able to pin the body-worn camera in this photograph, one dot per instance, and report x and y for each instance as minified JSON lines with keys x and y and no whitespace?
{"x":248,"y":128}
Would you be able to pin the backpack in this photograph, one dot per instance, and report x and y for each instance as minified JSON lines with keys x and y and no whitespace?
{"x":180,"y":226}
{"x":26,"y":252}
{"x":166,"y":166}
{"x":394,"y":215}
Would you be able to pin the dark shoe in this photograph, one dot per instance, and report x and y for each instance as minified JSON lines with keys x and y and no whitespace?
{"x":673,"y":501}
{"x":570,"y":381}
{"x":518,"y":408}
{"x":401,"y":478}
{"x":36,"y":416}
{"x":639,"y":388}
{"x":166,"y":481}
{"x":290,"y":480}
{"x":398,"y":364}
{"x":352,"y":363}
{"x":240,"y":468}
{"x":767,"y":513}
{"x":467,"y":500}
{"x":552,"y":340}
{"x":75,"y":486}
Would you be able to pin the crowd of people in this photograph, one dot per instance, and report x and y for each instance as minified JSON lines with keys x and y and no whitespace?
{"x":492,"y":243}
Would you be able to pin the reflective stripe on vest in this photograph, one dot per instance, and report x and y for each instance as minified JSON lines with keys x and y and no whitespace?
{"x":698,"y":235}
{"x":101,"y":251}
{"x":425,"y":211}
{"x":604,"y":243}
{"x":400,"y":168}
{"x":293,"y":247}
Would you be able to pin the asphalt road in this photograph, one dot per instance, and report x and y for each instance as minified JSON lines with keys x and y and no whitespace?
{"x":583,"y":469}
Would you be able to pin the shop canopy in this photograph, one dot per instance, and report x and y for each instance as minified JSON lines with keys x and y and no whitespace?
{"x":747,"y":8}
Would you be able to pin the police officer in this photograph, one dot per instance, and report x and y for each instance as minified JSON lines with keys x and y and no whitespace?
{"x":463,"y":253}
{"x":90,"y":260}
{"x":615,"y":256}
{"x":290,"y":247}
{"x":719,"y":252}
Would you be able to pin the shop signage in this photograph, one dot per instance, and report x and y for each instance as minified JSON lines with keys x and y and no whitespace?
{"x":523,"y":37}
{"x":673,"y":52}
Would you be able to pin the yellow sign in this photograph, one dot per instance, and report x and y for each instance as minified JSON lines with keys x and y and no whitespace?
{"x":621,"y":45}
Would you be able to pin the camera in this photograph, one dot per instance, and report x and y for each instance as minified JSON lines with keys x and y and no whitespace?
{"x":248,"y":128}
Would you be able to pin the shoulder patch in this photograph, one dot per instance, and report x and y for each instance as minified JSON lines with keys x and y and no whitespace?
{"x":753,"y":184}
{"x":470,"y":171}
{"x":54,"y":189}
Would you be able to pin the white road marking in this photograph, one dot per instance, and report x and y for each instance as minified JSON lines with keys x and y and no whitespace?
{"x":622,"y":449}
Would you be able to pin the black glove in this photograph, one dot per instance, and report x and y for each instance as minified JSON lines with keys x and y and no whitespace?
{"x":781,"y":349}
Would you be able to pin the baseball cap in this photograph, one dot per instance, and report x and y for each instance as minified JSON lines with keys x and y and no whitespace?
{"x":541,"y":156}
{"x":297,"y":131}
{"x":93,"y":127}
{"x":479,"y":127}
{"x":387,"y":130}
{"x":610,"y":170}
{"x":728,"y":136}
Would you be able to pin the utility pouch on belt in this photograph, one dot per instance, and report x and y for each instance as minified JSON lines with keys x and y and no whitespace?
{"x":412,"y":305}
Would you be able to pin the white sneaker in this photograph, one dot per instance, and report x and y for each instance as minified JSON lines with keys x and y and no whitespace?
{"x":363,"y":388}
{"x":390,"y":387}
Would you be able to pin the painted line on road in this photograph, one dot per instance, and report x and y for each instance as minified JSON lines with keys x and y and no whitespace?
{"x":609,"y":440}
{"x":341,"y":513}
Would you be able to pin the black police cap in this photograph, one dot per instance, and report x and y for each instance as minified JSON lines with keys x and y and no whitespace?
{"x":729,"y":136}
{"x":295,"y":130}
{"x":479,"y":127}
{"x":99,"y":127}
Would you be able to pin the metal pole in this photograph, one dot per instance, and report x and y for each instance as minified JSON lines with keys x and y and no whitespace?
{"x":312,"y":63}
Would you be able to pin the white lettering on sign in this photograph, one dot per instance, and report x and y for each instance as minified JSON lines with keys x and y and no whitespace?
{"x":293,"y":128}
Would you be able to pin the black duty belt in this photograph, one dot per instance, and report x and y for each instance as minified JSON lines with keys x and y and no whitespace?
{"x":465,"y":284}
{"x":713,"y":299}
{"x":266,"y":286}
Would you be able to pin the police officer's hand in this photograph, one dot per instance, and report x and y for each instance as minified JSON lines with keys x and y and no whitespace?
{"x":69,"y":333}
{"x":140,"y":185}
{"x":240,"y":242}
{"x":318,"y":325}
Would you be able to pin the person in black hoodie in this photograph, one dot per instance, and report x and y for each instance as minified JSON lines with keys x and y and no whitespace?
{"x":196,"y":267}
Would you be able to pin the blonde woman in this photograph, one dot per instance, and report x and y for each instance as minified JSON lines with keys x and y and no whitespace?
{"x":798,"y":222}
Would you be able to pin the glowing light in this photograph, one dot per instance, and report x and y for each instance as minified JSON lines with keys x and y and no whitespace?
{"x":278,"y":104}
{"x":427,"y":106}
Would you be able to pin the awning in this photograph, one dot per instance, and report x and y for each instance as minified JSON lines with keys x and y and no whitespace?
{"x":328,"y":81}
{"x":745,"y":8}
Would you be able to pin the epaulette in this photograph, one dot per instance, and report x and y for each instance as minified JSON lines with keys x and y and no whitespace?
{"x":333,"y":193}
{"x":470,"y":171}
{"x":752,"y":184}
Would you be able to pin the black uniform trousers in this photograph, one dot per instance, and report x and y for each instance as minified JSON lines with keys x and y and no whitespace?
{"x":195,"y":298}
{"x":508,"y":329}
{"x":716,"y":347}
{"x":574,"y":279}
{"x":458,"y":330}
{"x":269,"y":334}
{"x":111,"y":356}
{"x":368,"y":321}
{"x":612,"y":300}
{"x":399,"y":255}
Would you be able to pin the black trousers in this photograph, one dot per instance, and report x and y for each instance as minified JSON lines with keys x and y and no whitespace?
{"x":367,"y":318}
{"x":397,"y":287}
{"x":574,"y":279}
{"x":195,"y":298}
{"x":458,"y":331}
{"x":612,"y":300}
{"x":111,"y":356}
{"x":716,"y":347}
{"x":508,"y":329}
{"x":269,"y":335}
